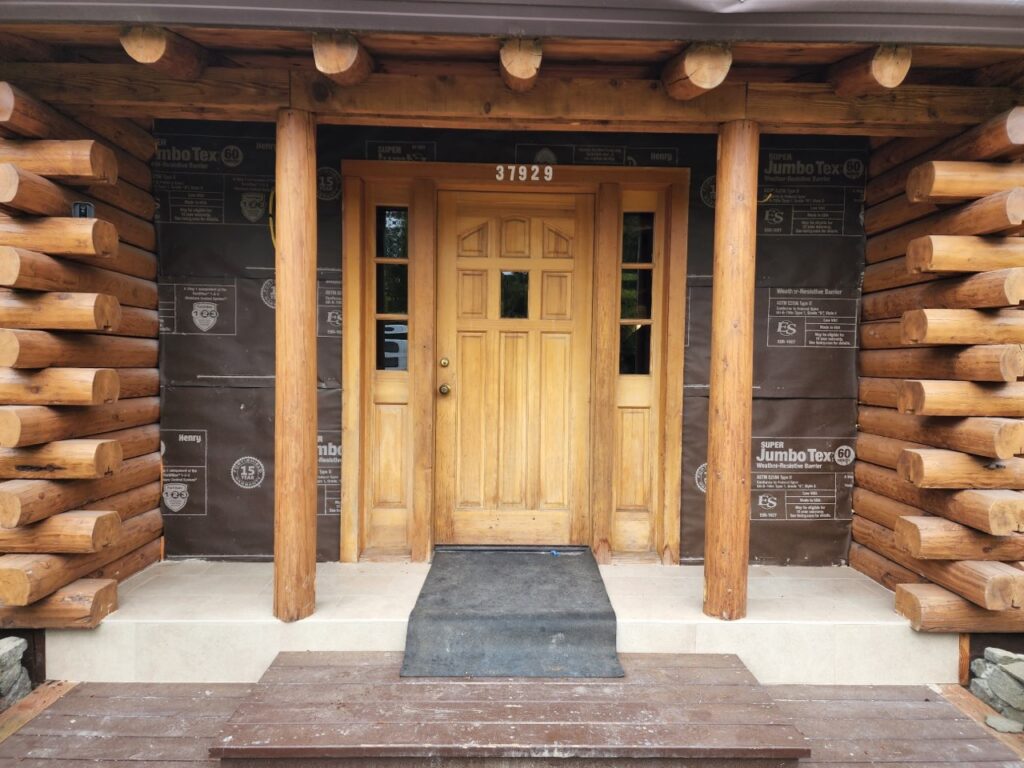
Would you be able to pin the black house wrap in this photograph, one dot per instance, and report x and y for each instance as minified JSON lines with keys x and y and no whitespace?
{"x":214,"y":182}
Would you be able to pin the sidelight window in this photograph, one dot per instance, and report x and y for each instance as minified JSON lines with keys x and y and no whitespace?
{"x":391,"y":276}
{"x":636,"y":293}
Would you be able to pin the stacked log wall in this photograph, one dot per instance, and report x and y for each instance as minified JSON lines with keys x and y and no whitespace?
{"x":80,"y":461}
{"x":939,"y":496}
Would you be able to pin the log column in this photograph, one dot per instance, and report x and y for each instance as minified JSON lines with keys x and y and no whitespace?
{"x":295,"y":453}
{"x":727,"y":531}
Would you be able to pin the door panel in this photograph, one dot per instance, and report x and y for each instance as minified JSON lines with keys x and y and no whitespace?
{"x":514,"y":322}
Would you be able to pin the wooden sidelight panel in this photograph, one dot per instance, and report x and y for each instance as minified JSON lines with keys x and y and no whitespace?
{"x":513,"y":344}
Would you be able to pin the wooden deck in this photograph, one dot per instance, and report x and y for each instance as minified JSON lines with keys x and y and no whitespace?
{"x":160,"y":726}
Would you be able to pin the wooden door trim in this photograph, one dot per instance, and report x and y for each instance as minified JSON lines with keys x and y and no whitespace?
{"x":425,"y":180}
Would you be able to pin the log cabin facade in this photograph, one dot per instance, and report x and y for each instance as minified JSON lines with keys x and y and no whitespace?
{"x":531,"y":406}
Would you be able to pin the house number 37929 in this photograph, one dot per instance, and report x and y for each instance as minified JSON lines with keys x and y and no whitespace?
{"x":513,"y":173}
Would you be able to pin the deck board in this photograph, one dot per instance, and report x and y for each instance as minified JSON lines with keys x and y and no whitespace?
{"x":105,"y":725}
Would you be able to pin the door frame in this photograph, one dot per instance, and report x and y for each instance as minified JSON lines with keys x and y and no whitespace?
{"x":365,"y":184}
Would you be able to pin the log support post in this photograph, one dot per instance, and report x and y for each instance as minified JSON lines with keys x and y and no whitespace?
{"x":295,"y":451}
{"x":730,"y":408}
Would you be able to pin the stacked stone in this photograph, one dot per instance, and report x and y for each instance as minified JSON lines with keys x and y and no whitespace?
{"x":14,"y":680}
{"x":998,"y":680}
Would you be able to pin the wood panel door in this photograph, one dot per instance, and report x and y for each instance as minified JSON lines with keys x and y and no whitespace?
{"x":514,"y":286}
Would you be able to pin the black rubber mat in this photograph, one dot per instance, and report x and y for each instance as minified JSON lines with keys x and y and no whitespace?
{"x":512,"y":612}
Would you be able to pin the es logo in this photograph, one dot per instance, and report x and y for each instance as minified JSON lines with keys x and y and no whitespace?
{"x":773,"y":216}
{"x":334,"y":318}
{"x":175,"y":496}
{"x":248,"y":472}
{"x":786,"y":328}
{"x":767,"y":501}
{"x":205,"y":315}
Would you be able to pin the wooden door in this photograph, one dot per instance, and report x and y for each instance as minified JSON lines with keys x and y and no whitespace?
{"x":513,"y":371}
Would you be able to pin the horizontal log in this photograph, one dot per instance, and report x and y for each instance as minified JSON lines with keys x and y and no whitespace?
{"x":1001,"y":136}
{"x":881,"y":569}
{"x":883,"y":451}
{"x":881,"y":509}
{"x":24,"y":579}
{"x":341,"y":57}
{"x":994,"y":586}
{"x":93,"y":241}
{"x":27,"y":501}
{"x":996,"y":438}
{"x":59,"y":386}
{"x":31,"y":118}
{"x":124,"y":134}
{"x":950,"y":253}
{"x":897,"y":151}
{"x":62,"y":460}
{"x":128,"y":504}
{"x":927,"y":397}
{"x":139,"y":382}
{"x":962,"y":326}
{"x":883,"y":334}
{"x":82,"y":162}
{"x":73,"y":532}
{"x":59,"y":311}
{"x":930,"y":608}
{"x":874,"y":70}
{"x":165,"y":51}
{"x":935,"y":538}
{"x":135,"y":441}
{"x":138,"y":323}
{"x":134,"y":261}
{"x":25,"y":192}
{"x":127,"y":197}
{"x":997,"y":512}
{"x":1001,"y":212}
{"x":995,"y":362}
{"x":894,"y":213}
{"x":988,"y":290}
{"x":132,"y":563}
{"x":22,"y":425}
{"x":31,"y":271}
{"x":892,"y":274}
{"x":880,"y":392}
{"x":941,"y":468}
{"x":945,"y":180}
{"x":41,"y":349}
{"x":83,"y":604}
{"x":699,"y":68}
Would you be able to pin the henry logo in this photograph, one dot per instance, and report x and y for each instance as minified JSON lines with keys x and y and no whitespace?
{"x":175,"y":496}
{"x":845,"y":455}
{"x":701,"y":476}
{"x":767,"y":501}
{"x":248,"y":472}
{"x":205,"y":315}
{"x":254,"y":205}
{"x":268,"y":293}
{"x":708,"y":189}
{"x":328,"y":184}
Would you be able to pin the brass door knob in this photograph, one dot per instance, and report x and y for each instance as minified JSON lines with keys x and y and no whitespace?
{"x":444,"y":389}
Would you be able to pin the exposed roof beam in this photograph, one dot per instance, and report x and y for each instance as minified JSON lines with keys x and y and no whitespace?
{"x":165,"y":51}
{"x":519,"y":61}
{"x":698,"y":69}
{"x":872,"y":71}
{"x":341,"y":57}
{"x":18,"y":48}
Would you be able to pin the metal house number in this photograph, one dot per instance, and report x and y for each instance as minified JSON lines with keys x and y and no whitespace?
{"x":524,"y":173}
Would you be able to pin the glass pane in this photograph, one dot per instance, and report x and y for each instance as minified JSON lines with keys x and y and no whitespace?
{"x":634,"y":349}
{"x":392,"y":346}
{"x":515,"y":294}
{"x":636,"y":294}
{"x":392,"y":290}
{"x":637,"y":238}
{"x":392,"y":233}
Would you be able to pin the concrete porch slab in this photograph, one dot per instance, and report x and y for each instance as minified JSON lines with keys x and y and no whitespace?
{"x":199,"y":621}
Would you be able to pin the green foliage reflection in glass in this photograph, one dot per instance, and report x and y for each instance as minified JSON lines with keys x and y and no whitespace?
{"x":637,"y":238}
{"x":515,"y":294}
{"x":635,"y":349}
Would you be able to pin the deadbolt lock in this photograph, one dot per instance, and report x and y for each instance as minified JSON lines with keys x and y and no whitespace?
{"x":444,"y":389}
{"x":443,"y":362}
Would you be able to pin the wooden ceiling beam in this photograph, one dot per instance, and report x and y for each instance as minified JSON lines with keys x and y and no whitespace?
{"x":15,"y":47}
{"x":165,"y":51}
{"x":874,"y":70}
{"x":341,"y":57}
{"x":519,"y":63}
{"x":697,"y":70}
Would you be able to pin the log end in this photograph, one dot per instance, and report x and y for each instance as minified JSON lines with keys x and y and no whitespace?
{"x":107,"y":457}
{"x":341,"y":57}
{"x":106,"y":386}
{"x":519,"y":62}
{"x":104,"y":238}
{"x":910,"y":466}
{"x":15,"y":580}
{"x":700,"y":68}
{"x":106,"y":312}
{"x":106,"y":528}
{"x":10,"y":348}
{"x":908,"y":535}
{"x":920,"y":183}
{"x":891,"y":64}
{"x":914,"y":326}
